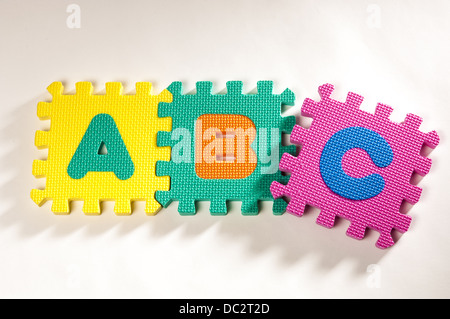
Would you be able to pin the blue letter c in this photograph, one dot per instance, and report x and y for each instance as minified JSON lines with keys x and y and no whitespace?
{"x":331,"y":162}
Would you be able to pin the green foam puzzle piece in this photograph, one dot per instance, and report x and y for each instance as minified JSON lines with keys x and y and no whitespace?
{"x":262,"y":108}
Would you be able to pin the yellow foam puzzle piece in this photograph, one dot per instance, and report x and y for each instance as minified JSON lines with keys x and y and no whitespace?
{"x":136,"y":116}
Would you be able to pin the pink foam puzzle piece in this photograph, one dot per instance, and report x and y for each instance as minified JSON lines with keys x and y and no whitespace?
{"x":306,"y":185}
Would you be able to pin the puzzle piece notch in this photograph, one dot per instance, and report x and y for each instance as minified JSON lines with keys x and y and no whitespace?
{"x":264,"y":88}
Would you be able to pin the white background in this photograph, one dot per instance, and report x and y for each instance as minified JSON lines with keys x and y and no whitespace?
{"x":395,"y":52}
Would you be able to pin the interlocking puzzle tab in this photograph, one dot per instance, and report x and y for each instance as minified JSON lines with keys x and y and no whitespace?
{"x":218,"y":164}
{"x":355,"y":165}
{"x":80,"y":125}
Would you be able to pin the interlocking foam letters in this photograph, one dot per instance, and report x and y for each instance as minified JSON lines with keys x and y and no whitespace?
{"x":352,"y":164}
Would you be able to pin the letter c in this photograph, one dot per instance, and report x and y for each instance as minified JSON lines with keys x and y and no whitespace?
{"x":331,"y":162}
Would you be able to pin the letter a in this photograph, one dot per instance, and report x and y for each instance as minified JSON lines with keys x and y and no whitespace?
{"x":101,"y":131}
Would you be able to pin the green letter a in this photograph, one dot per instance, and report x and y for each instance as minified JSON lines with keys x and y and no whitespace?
{"x":101,"y":131}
